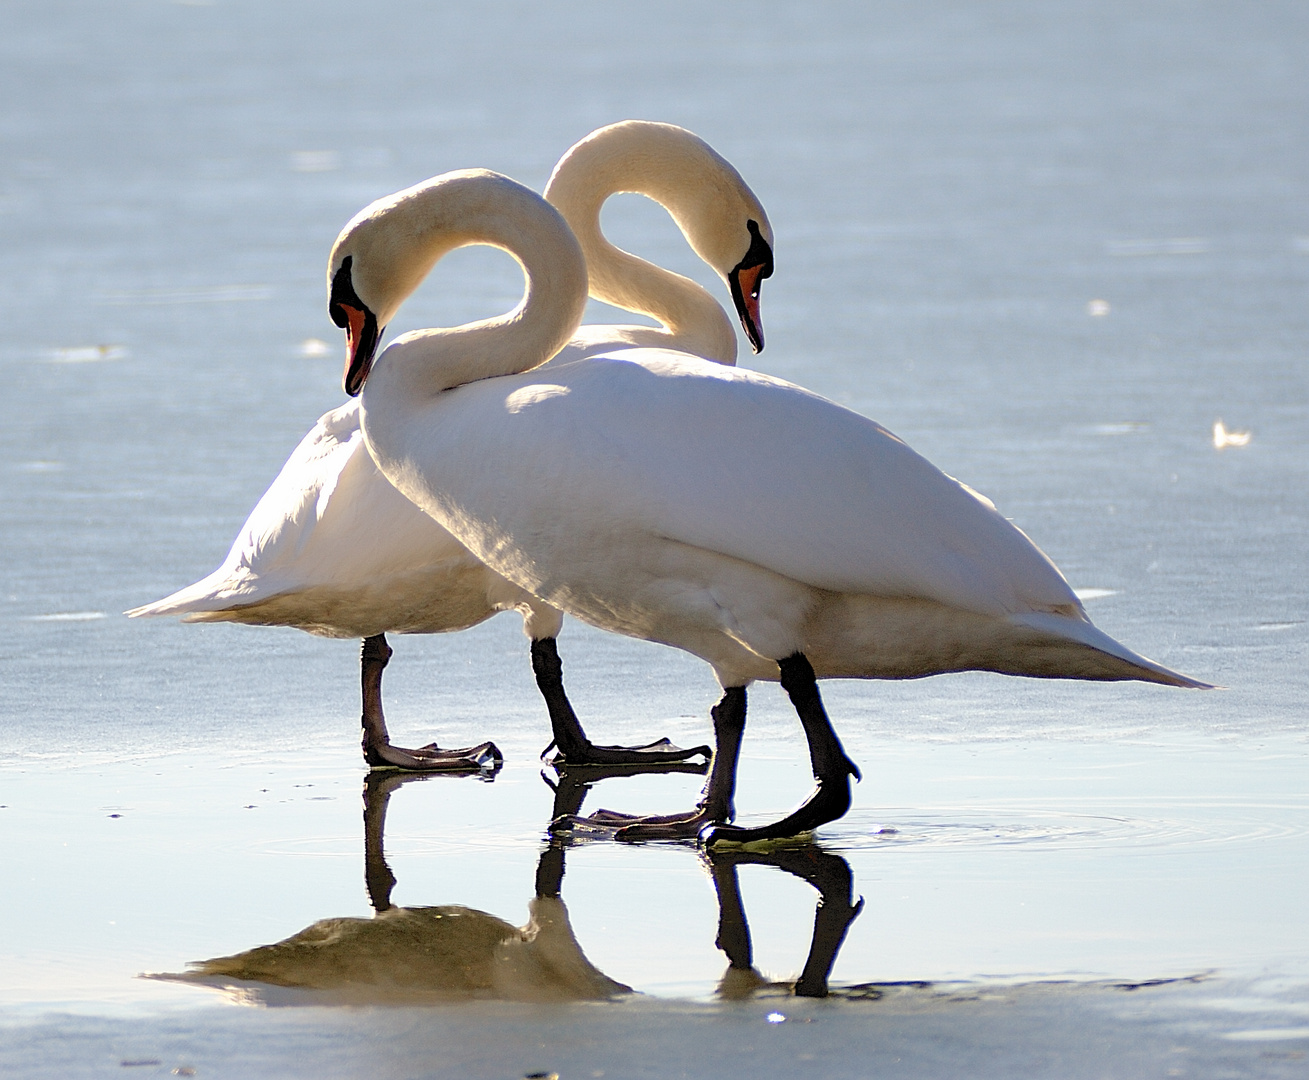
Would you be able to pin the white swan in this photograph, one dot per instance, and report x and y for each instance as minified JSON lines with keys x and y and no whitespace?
{"x":736,"y":516}
{"x":334,"y":549}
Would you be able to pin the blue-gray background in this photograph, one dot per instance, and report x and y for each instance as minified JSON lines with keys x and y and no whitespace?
{"x":1049,"y":244}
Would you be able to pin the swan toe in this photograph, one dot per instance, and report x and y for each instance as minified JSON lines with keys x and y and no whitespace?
{"x":484,"y":757}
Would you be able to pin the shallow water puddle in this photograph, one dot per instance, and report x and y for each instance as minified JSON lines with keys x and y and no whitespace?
{"x":1090,"y":866}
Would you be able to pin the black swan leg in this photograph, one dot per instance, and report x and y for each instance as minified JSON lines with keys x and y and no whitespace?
{"x":832,"y":768}
{"x":380,"y":753}
{"x":574,"y":748}
{"x":715,"y":803}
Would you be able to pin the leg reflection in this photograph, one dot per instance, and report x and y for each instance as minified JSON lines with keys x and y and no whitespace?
{"x":377,"y":874}
{"x":836,"y":910}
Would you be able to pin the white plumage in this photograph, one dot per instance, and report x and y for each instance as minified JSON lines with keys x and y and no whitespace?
{"x":736,"y":516}
{"x":332,"y":548}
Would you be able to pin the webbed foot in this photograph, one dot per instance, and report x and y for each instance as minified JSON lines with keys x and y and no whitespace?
{"x":574,"y":748}
{"x":484,"y":757}
{"x":381,"y":753}
{"x":633,"y":828}
{"x":714,"y":806}
{"x":586,"y":754}
{"x":829,"y":801}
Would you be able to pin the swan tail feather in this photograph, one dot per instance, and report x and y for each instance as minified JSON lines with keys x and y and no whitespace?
{"x":204,"y":601}
{"x":1109,"y":660}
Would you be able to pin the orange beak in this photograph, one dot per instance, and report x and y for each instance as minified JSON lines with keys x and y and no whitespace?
{"x":745,"y":281}
{"x":359,"y":323}
{"x":751,"y":280}
{"x":361,"y":337}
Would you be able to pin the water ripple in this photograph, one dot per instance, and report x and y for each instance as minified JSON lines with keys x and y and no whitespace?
{"x":1154,"y":827}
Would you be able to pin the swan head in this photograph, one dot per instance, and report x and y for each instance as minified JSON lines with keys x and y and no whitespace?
{"x":726,"y":226}
{"x":380,"y":258}
{"x":359,"y":322}
{"x":722,"y":219}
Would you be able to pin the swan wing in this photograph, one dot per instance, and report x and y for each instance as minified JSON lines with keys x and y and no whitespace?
{"x":665,"y":445}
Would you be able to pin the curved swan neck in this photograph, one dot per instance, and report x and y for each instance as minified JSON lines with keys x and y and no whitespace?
{"x":693,"y":183}
{"x":397,"y":241}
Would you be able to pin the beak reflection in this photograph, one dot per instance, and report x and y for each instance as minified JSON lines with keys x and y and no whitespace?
{"x":450,"y":953}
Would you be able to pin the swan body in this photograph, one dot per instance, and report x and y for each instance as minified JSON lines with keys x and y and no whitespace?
{"x":739,"y":517}
{"x":334,"y":549}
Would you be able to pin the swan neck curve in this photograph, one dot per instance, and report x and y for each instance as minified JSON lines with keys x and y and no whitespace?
{"x":684,"y":175}
{"x":461,"y":209}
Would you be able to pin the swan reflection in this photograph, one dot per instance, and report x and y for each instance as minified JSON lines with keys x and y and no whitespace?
{"x":448,"y":952}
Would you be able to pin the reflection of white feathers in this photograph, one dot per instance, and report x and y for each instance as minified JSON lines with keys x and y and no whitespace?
{"x":1224,"y":438}
{"x":420,"y":955}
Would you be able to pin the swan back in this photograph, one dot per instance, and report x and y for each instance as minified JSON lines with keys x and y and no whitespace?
{"x":661,"y":447}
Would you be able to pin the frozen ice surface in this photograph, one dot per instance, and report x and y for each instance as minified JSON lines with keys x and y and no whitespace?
{"x":1038,"y":1030}
{"x":1051,"y":245}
